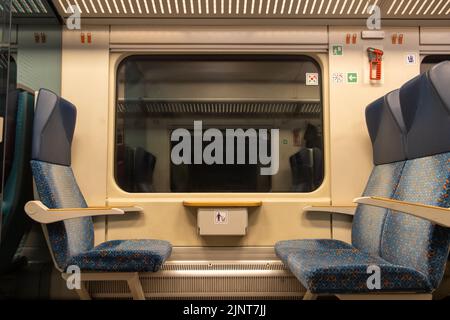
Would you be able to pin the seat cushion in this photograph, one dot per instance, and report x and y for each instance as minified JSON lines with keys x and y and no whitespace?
{"x":346,"y":271}
{"x":125,"y":256}
{"x":284,"y":248}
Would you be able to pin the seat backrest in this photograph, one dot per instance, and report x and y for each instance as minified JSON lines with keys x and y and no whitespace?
{"x":53,"y":130}
{"x":306,"y":169}
{"x":387,"y":133}
{"x":144,"y":166}
{"x":19,"y":184}
{"x":407,"y":240}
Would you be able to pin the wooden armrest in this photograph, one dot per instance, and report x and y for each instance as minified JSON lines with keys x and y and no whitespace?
{"x":344,"y":210}
{"x":37,"y":211}
{"x":436,"y":215}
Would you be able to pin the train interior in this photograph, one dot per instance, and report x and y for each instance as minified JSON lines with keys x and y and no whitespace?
{"x":224,"y":149}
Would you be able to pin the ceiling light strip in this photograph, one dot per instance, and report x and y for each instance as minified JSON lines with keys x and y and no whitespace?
{"x":34,"y":7}
{"x":443,"y":8}
{"x":63,"y":8}
{"x":336,"y":6}
{"x":154,"y":7}
{"x":115,"y":6}
{"x":328,"y":7}
{"x":305,"y":7}
{"x":351,"y":6}
{"x":321,"y":7}
{"x":343,"y":7}
{"x":93,"y":6}
{"x":406,"y":7}
{"x":429,"y":7}
{"x":41,"y":5}
{"x":358,"y":6}
{"x":392,"y":7}
{"x":297,"y":9}
{"x":18,"y":7}
{"x":86,"y":7}
{"x":161,"y":7}
{"x":267,"y":7}
{"x":313,"y":7}
{"x":421,"y":7}
{"x":414,"y":7}
{"x":399,"y":7}
{"x":138,"y":4}
{"x":436,"y":7}
{"x":366,"y":6}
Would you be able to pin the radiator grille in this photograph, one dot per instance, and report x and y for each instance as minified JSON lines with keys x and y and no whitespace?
{"x":227,"y":281}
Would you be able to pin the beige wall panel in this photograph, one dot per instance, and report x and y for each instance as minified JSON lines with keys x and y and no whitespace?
{"x":85,"y":70}
{"x":351,"y":152}
{"x":164,"y":216}
{"x":170,"y":220}
{"x":430,"y":36}
{"x":218,"y":35}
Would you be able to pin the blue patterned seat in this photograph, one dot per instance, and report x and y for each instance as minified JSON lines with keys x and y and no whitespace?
{"x":72,"y":241}
{"x":386,"y":127}
{"x":410,"y":252}
{"x":345,"y":270}
{"x":124,"y":256}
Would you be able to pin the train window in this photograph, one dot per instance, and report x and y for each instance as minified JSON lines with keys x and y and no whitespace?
{"x":429,"y":61}
{"x":219,"y":123}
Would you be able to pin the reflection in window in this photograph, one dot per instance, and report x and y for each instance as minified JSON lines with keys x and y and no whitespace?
{"x":430,"y":61}
{"x":259,"y":95}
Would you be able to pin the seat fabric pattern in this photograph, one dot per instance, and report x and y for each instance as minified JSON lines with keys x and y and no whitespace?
{"x":414,"y":242}
{"x":284,"y":248}
{"x":57,"y":188}
{"x":346,"y":271}
{"x":368,"y":221}
{"x":124,"y":256}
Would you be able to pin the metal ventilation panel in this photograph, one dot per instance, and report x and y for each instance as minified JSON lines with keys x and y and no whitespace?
{"x":255,"y":9}
{"x":168,"y":108}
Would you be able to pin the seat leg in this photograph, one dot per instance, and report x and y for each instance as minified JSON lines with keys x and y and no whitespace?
{"x":83,"y":293}
{"x":136,"y":288}
{"x":309,"y":296}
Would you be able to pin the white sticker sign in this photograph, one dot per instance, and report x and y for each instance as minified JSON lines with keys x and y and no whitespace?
{"x":411,"y":58}
{"x":338,"y":77}
{"x":312,"y":79}
{"x":220,"y":217}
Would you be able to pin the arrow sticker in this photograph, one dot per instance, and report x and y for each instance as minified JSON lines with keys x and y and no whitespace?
{"x":352,"y":77}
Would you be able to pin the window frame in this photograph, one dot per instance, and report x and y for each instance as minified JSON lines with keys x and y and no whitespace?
{"x":196,"y":56}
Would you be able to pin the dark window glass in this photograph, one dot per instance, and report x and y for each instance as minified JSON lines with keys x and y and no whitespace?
{"x":243,"y":112}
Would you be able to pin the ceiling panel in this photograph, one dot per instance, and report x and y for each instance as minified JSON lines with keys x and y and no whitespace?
{"x":255,"y":9}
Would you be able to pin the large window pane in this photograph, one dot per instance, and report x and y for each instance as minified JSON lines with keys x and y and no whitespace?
{"x":231,"y":109}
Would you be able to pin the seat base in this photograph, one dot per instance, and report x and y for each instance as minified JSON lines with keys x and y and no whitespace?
{"x":350,"y":271}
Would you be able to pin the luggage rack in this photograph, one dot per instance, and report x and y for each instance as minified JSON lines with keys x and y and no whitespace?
{"x":310,"y":108}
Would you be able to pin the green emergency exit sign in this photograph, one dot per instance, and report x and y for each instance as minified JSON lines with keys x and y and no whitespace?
{"x":338,"y":51}
{"x":352,"y":77}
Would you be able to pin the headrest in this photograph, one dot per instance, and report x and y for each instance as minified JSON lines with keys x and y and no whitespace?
{"x":386,"y":129}
{"x":425,"y":102}
{"x":54,"y":125}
